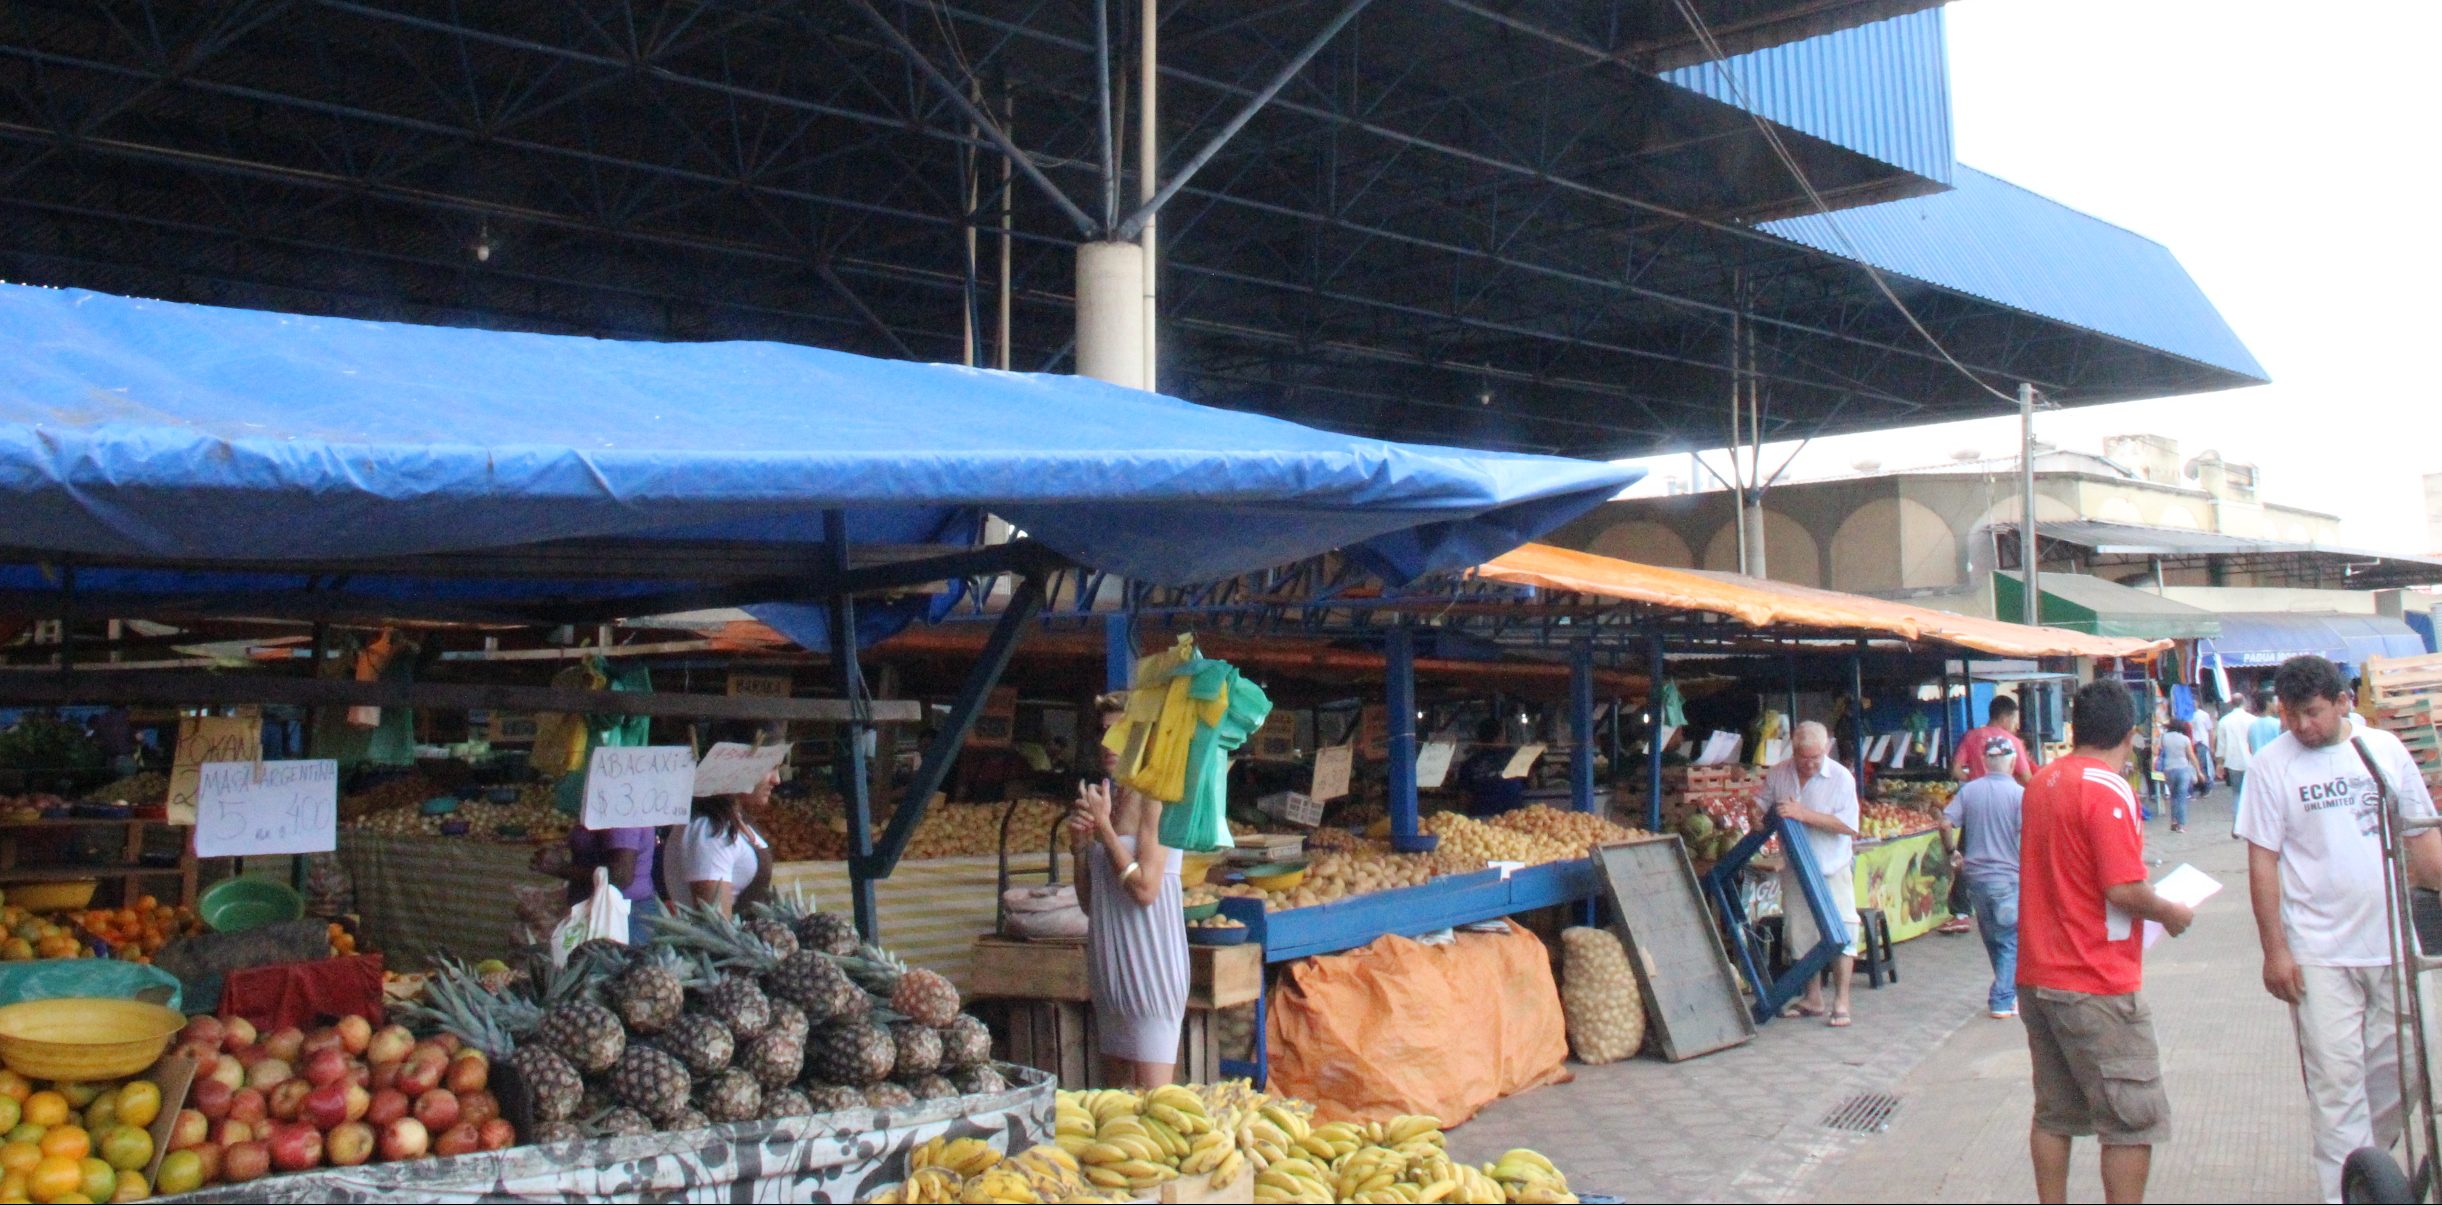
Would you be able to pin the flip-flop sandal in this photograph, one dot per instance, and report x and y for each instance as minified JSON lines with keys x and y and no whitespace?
{"x":1800,"y":1010}
{"x":1838,"y":1020}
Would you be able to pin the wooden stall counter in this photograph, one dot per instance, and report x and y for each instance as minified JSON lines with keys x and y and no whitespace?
{"x":1039,"y":1003}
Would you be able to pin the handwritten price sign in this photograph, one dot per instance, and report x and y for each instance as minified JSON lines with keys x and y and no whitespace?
{"x":271,"y":807}
{"x":640,"y":787}
{"x":733,"y":769}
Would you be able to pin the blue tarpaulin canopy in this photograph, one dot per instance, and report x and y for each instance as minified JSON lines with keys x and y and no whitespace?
{"x":2272,"y":637}
{"x":177,"y":450}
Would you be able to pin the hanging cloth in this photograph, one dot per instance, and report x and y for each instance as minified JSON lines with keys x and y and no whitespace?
{"x":1152,"y":736}
{"x":1674,"y":704}
{"x":1200,"y":821}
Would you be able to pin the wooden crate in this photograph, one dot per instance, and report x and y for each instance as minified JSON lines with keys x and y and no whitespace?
{"x":1058,"y":1036}
{"x":1217,"y":976}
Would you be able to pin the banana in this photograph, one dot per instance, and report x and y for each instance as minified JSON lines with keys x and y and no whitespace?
{"x":1226,"y":1172}
{"x":1104,"y":1154}
{"x":1437,"y":1191}
{"x":1290,"y":1124}
{"x":1401,"y":1129}
{"x":1105,"y":1177}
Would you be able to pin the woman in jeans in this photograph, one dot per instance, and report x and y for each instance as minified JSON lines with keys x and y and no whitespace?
{"x":2180,"y":771}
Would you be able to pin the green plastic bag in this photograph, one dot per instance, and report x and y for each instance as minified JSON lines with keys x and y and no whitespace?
{"x":88,"y":978}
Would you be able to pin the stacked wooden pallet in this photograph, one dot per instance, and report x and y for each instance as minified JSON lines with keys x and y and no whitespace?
{"x":2404,"y":697}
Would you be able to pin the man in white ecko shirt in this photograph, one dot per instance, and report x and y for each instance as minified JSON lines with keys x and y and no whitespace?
{"x":2312,"y":817}
{"x":1820,"y":794}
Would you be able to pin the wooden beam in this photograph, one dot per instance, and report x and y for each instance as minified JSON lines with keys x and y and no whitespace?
{"x":231,"y":689}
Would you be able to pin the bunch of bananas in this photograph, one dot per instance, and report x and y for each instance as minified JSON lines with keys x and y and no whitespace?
{"x":1402,"y":1160}
{"x":967,"y":1171}
{"x":1127,"y":1141}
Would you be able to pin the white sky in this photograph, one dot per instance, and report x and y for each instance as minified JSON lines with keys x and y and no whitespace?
{"x":2281,"y":153}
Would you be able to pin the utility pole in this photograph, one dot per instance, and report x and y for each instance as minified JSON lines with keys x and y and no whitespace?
{"x":2027,"y":545}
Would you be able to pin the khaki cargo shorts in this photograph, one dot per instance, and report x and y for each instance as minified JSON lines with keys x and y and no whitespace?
{"x":2097,"y":1071}
{"x":1799,"y":929}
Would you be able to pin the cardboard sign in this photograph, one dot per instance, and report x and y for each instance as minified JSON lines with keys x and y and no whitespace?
{"x":266,"y":807}
{"x":1521,"y":762}
{"x":996,"y":726}
{"x":761,"y":684}
{"x":1433,"y":763}
{"x":1331,"y":767}
{"x":1374,"y":732}
{"x":202,"y":739}
{"x":645,"y":786}
{"x":730,"y":768}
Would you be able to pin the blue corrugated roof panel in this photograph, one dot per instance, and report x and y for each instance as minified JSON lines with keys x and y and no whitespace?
{"x":1881,"y":90}
{"x":1992,"y":239}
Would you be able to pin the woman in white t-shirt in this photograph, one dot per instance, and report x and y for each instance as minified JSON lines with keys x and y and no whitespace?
{"x":718,"y":858}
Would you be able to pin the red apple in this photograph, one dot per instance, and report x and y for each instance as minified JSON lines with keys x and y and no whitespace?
{"x":390,"y":1044}
{"x":247,"y":1056}
{"x":205,"y":1031}
{"x":229,"y":1132}
{"x":286,"y":1044}
{"x":385,"y":1075}
{"x":404,"y":1139}
{"x":388,"y":1106}
{"x":269,"y":1074}
{"x":287,"y":1099}
{"x":245,"y":1161}
{"x":423,"y":1072}
{"x":241,"y":1031}
{"x":327,"y":1106}
{"x":324,"y":1037}
{"x":206,"y":1057}
{"x":459,"y":1139}
{"x":209,"y":1156}
{"x":360,"y":1075}
{"x":327,"y":1067}
{"x":348,"y":1144}
{"x":448,"y":1042}
{"x":355,"y":1033}
{"x":228,"y":1073}
{"x":497,"y":1134}
{"x":295,"y":1148}
{"x":191,"y":1128}
{"x":468,"y":1072}
{"x":210,"y":1098}
{"x":250,"y":1106}
{"x":437,"y":1109}
{"x":478,"y":1106}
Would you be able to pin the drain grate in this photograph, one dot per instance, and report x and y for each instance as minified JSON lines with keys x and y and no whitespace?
{"x":1869,"y":1113}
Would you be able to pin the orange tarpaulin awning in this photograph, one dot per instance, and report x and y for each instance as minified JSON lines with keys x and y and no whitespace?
{"x":1758,"y":603}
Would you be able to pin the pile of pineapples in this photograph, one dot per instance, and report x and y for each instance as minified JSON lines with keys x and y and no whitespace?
{"x":783,"y":1013}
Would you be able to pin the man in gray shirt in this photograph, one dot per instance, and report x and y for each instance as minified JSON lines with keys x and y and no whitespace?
{"x":1987,"y":809}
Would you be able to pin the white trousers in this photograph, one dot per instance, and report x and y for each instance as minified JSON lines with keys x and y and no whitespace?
{"x":2349,"y":1050}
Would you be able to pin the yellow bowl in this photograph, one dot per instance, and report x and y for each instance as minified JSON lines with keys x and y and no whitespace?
{"x":1193,"y":867}
{"x":79,"y":1039}
{"x":70,"y":896}
{"x":1284,"y":880}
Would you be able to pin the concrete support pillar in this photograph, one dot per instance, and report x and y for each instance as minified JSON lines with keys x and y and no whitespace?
{"x":1111,"y":314}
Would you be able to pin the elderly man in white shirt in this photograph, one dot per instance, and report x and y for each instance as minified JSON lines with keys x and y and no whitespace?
{"x":1819,"y":794}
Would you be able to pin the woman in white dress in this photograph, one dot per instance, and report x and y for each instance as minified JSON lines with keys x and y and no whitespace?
{"x":718,"y":858}
{"x":1136,"y":940}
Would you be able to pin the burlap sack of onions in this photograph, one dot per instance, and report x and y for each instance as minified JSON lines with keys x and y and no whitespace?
{"x":1599,"y":997}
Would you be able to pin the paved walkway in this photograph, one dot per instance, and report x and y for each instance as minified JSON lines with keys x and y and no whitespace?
{"x":1746,"y":1124}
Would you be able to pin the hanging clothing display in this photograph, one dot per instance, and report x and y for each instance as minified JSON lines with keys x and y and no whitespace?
{"x":1184,"y":717}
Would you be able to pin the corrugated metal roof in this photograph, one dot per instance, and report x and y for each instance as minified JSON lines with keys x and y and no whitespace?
{"x":1992,"y":239}
{"x":1881,"y":90}
{"x":2129,"y":539}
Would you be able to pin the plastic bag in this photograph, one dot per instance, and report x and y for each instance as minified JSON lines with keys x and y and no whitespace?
{"x":104,"y":978}
{"x":1600,"y":997}
{"x":600,"y":918}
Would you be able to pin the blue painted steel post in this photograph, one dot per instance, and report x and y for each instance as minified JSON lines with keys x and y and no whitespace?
{"x":1399,"y":656}
{"x":848,"y":767}
{"x":1653,"y":760}
{"x":1581,"y":724}
{"x":1119,"y":651}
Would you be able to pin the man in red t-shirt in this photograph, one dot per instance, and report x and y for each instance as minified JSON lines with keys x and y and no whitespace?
{"x":2000,"y":722}
{"x":2082,"y":892}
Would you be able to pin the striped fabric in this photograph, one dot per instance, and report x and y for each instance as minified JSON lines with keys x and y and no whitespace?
{"x":932,"y":911}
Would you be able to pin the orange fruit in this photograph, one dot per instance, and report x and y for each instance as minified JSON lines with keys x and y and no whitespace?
{"x":96,"y":1179}
{"x":12,"y":1186}
{"x":70,"y":1141}
{"x":19,"y":1156}
{"x":55,"y":1177}
{"x":46,"y":1109}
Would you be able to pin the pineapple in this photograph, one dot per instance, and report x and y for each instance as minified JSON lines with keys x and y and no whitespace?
{"x":817,"y":985}
{"x":622,"y":1122}
{"x":855,"y":1053}
{"x":782,"y":1103}
{"x":889,"y":1096}
{"x":773,"y":933}
{"x":556,"y":1131}
{"x":965,"y":1043}
{"x":731,"y":1096}
{"x":736,"y":1002}
{"x":586,"y":1034}
{"x":828,"y":932}
{"x":977,"y":1081}
{"x":789,"y":1019}
{"x":775,"y":1059}
{"x":554,"y":1083}
{"x":918,"y":1050}
{"x":919,"y":993}
{"x":651,"y":992}
{"x":834,"y":1098}
{"x":651,"y":1082}
{"x":702,"y":1045}
{"x":689,"y":1118}
{"x":931,"y":1087}
{"x":488,"y":1020}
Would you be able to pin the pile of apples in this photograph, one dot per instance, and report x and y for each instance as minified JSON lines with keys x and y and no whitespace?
{"x":342,"y":1095}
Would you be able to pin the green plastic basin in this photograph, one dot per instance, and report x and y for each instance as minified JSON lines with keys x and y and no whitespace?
{"x":236,"y":905}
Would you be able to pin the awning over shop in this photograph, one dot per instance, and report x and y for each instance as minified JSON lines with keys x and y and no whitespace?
{"x":147,"y":441}
{"x":2090,"y":604}
{"x":2303,"y":563}
{"x":1759,"y":603}
{"x":2267,"y":638}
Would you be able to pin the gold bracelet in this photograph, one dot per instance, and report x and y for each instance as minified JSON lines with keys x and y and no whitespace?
{"x":1129,"y":875}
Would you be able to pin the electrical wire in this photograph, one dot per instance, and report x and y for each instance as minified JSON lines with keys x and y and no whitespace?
{"x":1719,"y":59}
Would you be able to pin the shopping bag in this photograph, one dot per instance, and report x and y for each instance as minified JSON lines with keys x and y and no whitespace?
{"x":601,"y":917}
